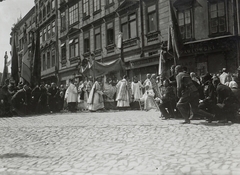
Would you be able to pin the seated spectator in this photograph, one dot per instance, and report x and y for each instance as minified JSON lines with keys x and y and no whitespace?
{"x":168,"y":100}
{"x":148,"y":99}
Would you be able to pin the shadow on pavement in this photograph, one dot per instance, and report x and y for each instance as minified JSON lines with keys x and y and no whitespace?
{"x":18,"y":155}
{"x":214,"y":124}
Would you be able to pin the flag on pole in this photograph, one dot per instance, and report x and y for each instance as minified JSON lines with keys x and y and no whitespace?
{"x":8,"y":63}
{"x":174,"y":35}
{"x":36,"y":68}
{"x":14,"y":67}
{"x":26,"y":61}
{"x":161,"y":60}
{"x":5,"y":69}
{"x":120,"y":46}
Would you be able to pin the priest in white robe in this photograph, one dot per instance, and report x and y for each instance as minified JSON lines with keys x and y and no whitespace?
{"x":148,"y":99}
{"x":95,"y":99}
{"x":123,"y":97}
{"x":136,"y":87}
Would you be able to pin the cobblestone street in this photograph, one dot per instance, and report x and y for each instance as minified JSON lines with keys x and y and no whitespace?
{"x":112,"y":143}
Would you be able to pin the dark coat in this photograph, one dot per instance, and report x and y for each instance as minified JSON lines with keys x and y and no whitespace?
{"x":20,"y":102}
{"x":225,"y":94}
{"x":185,"y":85}
{"x":209,"y":92}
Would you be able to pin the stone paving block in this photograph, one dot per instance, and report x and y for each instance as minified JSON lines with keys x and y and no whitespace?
{"x":41,"y":173}
{"x":221,"y":172}
{"x":235,"y":172}
{"x":234,"y":165}
{"x":3,"y":169}
{"x":67,"y":173}
{"x":196,"y":173}
{"x":185,"y":169}
{"x":225,"y":167}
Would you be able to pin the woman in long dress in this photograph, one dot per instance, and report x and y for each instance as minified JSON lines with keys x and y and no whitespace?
{"x":123,"y":99}
{"x":95,"y":99}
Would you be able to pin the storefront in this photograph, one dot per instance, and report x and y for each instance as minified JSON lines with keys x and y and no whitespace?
{"x":210,"y":55}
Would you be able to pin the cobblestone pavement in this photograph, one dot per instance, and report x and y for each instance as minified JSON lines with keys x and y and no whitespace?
{"x":116,"y":143}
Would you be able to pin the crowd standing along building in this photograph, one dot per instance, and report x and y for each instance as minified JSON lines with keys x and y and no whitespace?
{"x":74,"y":33}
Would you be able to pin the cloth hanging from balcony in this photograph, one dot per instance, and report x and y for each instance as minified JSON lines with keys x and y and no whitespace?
{"x":103,"y":68}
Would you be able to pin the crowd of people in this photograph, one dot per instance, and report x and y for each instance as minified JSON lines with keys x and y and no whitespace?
{"x":182,"y":95}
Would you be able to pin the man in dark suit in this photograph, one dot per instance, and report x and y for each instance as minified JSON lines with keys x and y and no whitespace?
{"x":227,"y":103}
{"x":39,"y":96}
{"x":53,"y":100}
{"x":188,"y":95}
{"x":20,"y":101}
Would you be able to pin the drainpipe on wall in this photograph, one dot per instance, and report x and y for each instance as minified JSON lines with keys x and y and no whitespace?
{"x":142,"y":27}
{"x":57,"y":48}
{"x":235,"y":6}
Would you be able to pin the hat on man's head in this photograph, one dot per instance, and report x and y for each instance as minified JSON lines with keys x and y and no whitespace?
{"x":207,"y":77}
{"x":224,"y":69}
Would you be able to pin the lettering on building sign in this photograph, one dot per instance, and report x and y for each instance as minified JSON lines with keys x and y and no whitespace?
{"x":209,"y":46}
{"x":145,"y":61}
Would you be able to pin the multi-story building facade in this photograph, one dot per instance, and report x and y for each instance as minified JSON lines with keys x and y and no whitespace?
{"x":210,"y":33}
{"x":46,"y":11}
{"x":90,"y":29}
{"x":24,"y":31}
{"x":73,"y":32}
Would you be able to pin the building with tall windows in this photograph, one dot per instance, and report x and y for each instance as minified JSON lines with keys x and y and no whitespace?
{"x":73,"y":33}
{"x":23,"y":32}
{"x":46,"y":11}
{"x":89,"y":31}
{"x":210,"y":33}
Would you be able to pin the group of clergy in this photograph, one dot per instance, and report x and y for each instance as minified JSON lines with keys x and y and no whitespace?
{"x":92,"y":95}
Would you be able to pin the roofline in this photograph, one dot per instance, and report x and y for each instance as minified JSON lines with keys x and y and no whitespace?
{"x":22,"y":21}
